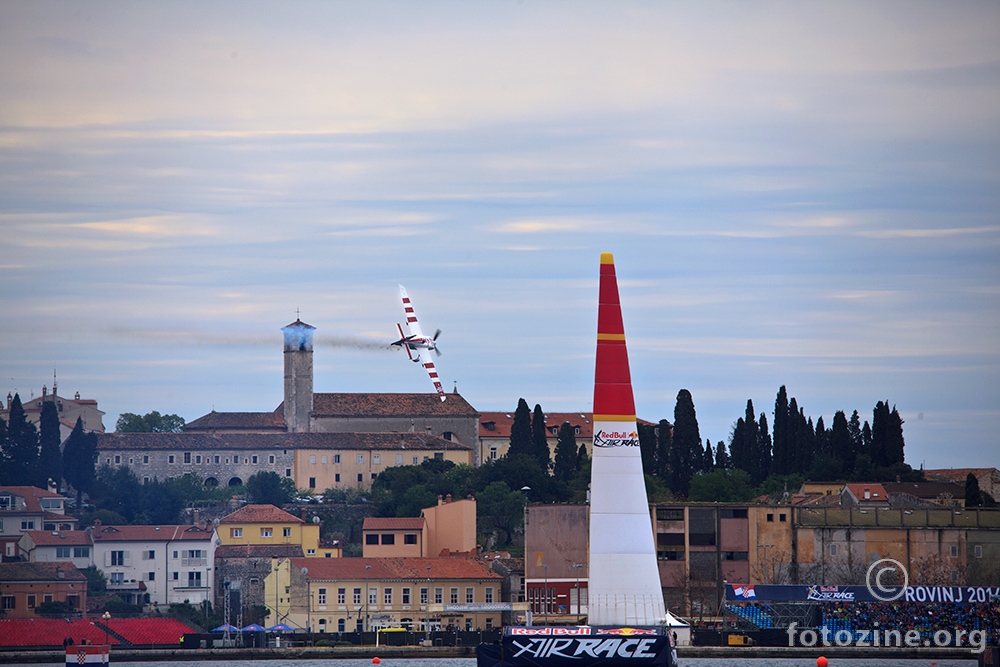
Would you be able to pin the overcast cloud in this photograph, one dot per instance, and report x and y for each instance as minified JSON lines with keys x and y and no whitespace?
{"x":795,"y":193}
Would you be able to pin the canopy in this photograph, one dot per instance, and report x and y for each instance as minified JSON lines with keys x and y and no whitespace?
{"x":226,"y":628}
{"x":253,"y":627}
{"x":281,"y":627}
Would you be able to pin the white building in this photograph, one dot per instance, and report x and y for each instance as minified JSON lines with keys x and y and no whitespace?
{"x":57,"y":546}
{"x":157,"y":564}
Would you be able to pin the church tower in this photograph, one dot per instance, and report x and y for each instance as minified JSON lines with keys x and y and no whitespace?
{"x":298,"y":375}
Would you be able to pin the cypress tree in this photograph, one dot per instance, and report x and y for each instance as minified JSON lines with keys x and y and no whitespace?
{"x":664,"y":438}
{"x":687,"y":443}
{"x":738,"y":446}
{"x":80,"y":460}
{"x":894,"y":438}
{"x":647,"y":447}
{"x":880,"y":424}
{"x":566,"y":453}
{"x":520,"y":431}
{"x":21,"y":453}
{"x":539,"y":438}
{"x":721,"y":458}
{"x":49,"y":438}
{"x":708,"y":457}
{"x":973,"y":495}
{"x":841,"y":443}
{"x":763,"y":464}
{"x":781,"y":462}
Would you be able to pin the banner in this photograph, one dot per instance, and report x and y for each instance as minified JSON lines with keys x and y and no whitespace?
{"x":577,"y":647}
{"x":818,"y":593}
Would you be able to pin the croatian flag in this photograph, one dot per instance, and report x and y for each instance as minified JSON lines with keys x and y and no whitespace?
{"x":87,"y":654}
{"x":745,"y":592}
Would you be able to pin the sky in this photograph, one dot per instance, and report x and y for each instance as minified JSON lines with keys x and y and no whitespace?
{"x":798,"y":194}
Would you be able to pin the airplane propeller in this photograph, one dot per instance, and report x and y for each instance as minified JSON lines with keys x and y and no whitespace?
{"x":436,"y":334}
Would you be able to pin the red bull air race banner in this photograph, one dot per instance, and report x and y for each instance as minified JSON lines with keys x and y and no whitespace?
{"x":577,"y":646}
{"x":817,"y":593}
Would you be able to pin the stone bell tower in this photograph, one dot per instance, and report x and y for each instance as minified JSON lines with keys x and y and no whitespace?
{"x":298,"y":375}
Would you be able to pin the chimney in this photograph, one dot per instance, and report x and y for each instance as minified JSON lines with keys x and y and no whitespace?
{"x":195,"y":516}
{"x":447,"y":498}
{"x":440,"y":499}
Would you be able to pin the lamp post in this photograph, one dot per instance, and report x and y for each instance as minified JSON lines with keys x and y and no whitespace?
{"x":368,"y":598}
{"x":107,"y":619}
{"x":577,"y":566}
{"x":427,"y":622}
{"x":765,"y":547}
{"x":276,"y":618}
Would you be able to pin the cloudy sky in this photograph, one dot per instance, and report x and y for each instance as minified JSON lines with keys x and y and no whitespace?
{"x":804,"y":194}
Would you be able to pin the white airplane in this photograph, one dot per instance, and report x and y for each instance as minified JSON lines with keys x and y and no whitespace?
{"x":419,"y":343}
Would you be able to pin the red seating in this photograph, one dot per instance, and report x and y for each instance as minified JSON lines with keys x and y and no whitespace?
{"x":49,"y":632}
{"x":145,"y":631}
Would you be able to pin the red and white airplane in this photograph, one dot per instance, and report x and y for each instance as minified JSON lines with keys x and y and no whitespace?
{"x":419,"y":343}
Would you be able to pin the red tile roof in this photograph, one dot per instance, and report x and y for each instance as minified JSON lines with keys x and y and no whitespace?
{"x":878,"y":492}
{"x":391,"y":405}
{"x":238,"y":420}
{"x":497,"y":424}
{"x":201,"y":441}
{"x":10,"y":572}
{"x":395,"y":568}
{"x":260,"y":514}
{"x":44,"y":538}
{"x":393,"y":523}
{"x":101,"y":533}
{"x":31,"y":495}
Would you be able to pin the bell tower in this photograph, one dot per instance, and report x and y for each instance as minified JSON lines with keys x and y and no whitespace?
{"x":298,"y":375}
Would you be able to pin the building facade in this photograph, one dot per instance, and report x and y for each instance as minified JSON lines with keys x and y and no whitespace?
{"x":25,"y":586}
{"x":26,"y":508}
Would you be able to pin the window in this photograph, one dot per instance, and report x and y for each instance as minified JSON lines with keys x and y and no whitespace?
{"x":489,"y":623}
{"x":194,"y":557}
{"x":399,"y":459}
{"x":387,"y":596}
{"x":783,"y":517}
{"x":410,"y":538}
{"x":388,"y":538}
{"x":176,"y":554}
{"x":118,"y":459}
{"x":118,"y":558}
{"x":438,"y":595}
{"x":374,"y":475}
{"x":321,"y":596}
{"x":31,"y":601}
{"x":493,"y":453}
{"x":312,"y":482}
{"x":357,"y":596}
{"x":489,"y":594}
{"x":439,"y":456}
{"x":376,"y":459}
{"x":148,"y":554}
{"x":81,"y":552}
{"x":336,"y":477}
{"x":150,"y":576}
{"x":145,"y":459}
{"x":9,"y":602}
{"x":235,"y":532}
{"x":176,"y":576}
{"x":117,"y":578}
{"x":286,"y":532}
{"x":47,"y":597}
{"x":341,"y":595}
{"x":454,"y":595}
{"x":170,"y":458}
{"x":423,"y":596}
{"x":734,"y":555}
{"x":361,"y":477}
{"x":312,"y":459}
{"x":470,"y":595}
{"x":187,"y":457}
{"x":406,"y":596}
{"x":254,"y":459}
{"x":267,"y":532}
{"x":371,"y":538}
{"x":322,"y":459}
{"x":197,"y":459}
{"x":216,"y":459}
{"x":770,"y":518}
{"x":288,"y":472}
{"x":194,"y":579}
{"x":978,"y":550}
{"x":372,"y":596}
{"x":416,"y":459}
{"x":310,"y":552}
{"x":270,"y":459}
{"x":62,"y":552}
{"x":336,"y":458}
{"x":341,"y":625}
{"x":27,"y":524}
{"x":145,"y":480}
{"x":361,"y":459}
{"x":953,"y":550}
{"x":833,"y":549}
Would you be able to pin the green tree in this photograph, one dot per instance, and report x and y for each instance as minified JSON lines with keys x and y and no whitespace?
{"x":721,"y":457}
{"x":841,"y":443}
{"x":118,"y":490}
{"x":664,"y":441}
{"x":686,"y":444}
{"x":781,"y":462}
{"x":97,"y":583}
{"x":415,"y":499}
{"x":20,"y":456}
{"x":880,"y":425}
{"x":721,"y":486}
{"x":159,"y":503}
{"x":49,"y":439}
{"x":973,"y":495}
{"x":151,"y":422}
{"x":539,"y":438}
{"x":647,"y":447}
{"x":268,"y":488}
{"x":520,"y":430}
{"x":762,"y":454}
{"x":566,"y":463}
{"x":80,"y":460}
{"x":500,"y":510}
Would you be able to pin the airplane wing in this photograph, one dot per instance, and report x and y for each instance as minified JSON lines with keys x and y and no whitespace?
{"x":411,"y":315}
{"x":424,"y":356}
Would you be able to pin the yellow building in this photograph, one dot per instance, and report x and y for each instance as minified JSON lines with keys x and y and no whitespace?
{"x":353,"y":460}
{"x":266,"y":526}
{"x":351,"y":594}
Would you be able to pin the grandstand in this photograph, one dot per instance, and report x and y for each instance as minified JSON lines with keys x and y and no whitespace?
{"x":48,"y":632}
